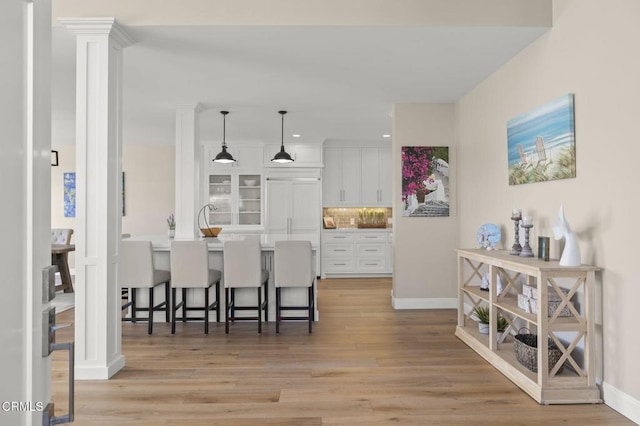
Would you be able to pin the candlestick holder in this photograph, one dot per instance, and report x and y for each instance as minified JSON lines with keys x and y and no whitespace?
{"x":526,"y":249}
{"x":516,"y":248}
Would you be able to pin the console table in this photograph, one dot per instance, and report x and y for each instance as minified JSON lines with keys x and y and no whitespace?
{"x":574,"y":334}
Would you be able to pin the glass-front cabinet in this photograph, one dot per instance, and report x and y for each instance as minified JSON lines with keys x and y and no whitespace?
{"x":237,"y":198}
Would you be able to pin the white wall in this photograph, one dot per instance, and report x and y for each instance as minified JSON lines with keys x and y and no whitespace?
{"x":592,"y":51}
{"x":149,"y":188}
{"x":424,"y":258}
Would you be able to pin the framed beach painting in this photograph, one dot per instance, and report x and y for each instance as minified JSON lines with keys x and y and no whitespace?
{"x":425,"y":181}
{"x":541,"y":143}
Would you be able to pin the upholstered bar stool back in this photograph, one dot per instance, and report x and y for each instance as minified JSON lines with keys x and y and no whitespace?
{"x":294,"y":268}
{"x":137,"y":272}
{"x":61,"y":235}
{"x":243,"y":269}
{"x":190,"y":270}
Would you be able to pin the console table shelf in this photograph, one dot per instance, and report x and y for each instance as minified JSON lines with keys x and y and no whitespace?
{"x":574,"y":334}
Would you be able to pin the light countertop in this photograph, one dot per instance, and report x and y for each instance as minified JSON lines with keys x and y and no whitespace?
{"x":267,"y":241}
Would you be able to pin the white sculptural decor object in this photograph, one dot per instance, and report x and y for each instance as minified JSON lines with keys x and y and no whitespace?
{"x":571,"y":253}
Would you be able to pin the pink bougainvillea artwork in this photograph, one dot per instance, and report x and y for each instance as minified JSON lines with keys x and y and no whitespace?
{"x":425,"y":181}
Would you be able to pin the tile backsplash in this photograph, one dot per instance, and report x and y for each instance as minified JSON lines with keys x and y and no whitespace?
{"x":347,"y":217}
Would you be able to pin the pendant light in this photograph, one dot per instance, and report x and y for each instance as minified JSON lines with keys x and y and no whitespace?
{"x":223,"y":156}
{"x":282,"y":156}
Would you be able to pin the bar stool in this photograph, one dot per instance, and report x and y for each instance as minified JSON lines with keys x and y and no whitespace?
{"x":190,"y":269}
{"x":138,"y":271}
{"x":293,"y":268}
{"x":243,"y":269}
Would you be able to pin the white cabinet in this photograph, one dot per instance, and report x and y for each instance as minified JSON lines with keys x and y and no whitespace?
{"x":375,"y":176}
{"x":303,"y":154}
{"x":235,"y":189}
{"x":341,"y":177}
{"x":293,"y":205}
{"x":573,"y":335}
{"x":353,"y":252}
{"x":237,"y":198}
{"x":357,"y":176}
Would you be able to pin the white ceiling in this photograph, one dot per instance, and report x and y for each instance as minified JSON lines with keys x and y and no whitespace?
{"x":338,"y":83}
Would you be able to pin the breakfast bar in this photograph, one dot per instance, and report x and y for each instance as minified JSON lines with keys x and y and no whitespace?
{"x":296,"y":296}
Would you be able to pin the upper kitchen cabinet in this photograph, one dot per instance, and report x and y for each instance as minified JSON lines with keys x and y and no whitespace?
{"x":376,"y":176}
{"x":237,"y":198}
{"x":248,"y":157}
{"x":341,"y":176}
{"x":303,"y":154}
{"x":235,"y":189}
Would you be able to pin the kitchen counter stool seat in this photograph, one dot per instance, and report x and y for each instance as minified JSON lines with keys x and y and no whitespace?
{"x":294,"y":268}
{"x":138,"y":271}
{"x":243,"y":269}
{"x":190,"y":270}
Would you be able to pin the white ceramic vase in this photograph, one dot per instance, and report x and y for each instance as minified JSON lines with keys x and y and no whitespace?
{"x":483,"y":328}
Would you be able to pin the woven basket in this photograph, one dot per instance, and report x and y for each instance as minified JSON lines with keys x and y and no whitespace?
{"x":526,"y":349}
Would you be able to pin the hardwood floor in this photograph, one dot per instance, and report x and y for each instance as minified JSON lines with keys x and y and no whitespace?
{"x":364,"y":364}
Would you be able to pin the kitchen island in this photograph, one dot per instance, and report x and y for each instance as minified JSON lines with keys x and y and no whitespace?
{"x":295,"y":296}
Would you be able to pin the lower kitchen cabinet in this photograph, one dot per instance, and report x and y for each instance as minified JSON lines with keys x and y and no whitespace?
{"x":356,"y":252}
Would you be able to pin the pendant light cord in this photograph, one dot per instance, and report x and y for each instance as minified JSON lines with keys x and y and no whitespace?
{"x":224,"y":130}
{"x":282,"y":132}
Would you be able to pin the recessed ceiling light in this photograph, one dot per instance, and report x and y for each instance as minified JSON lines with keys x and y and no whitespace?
{"x":296,"y":135}
{"x":386,"y":136}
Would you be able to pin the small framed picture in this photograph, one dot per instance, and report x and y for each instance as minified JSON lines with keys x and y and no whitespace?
{"x":329,"y":223}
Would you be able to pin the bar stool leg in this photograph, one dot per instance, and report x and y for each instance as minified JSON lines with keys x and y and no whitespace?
{"x":133,"y":304}
{"x":311,"y":303}
{"x":150,"y":316}
{"x":226,"y":311}
{"x":167,"y":298}
{"x":173,"y":311}
{"x":278,"y":310}
{"x":259,"y":310}
{"x":206,"y":310}
{"x":184,"y":305}
{"x":217,"y":301}
{"x":266,"y":301}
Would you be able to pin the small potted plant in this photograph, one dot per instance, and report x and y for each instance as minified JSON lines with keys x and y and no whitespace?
{"x":482,"y":315}
{"x":171,"y":223}
{"x":502,"y":326}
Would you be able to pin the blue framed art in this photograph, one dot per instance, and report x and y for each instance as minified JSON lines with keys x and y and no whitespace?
{"x":69,"y":194}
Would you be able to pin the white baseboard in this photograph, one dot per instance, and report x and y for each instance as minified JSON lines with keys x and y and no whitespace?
{"x":424,"y":303}
{"x":623,"y":403}
{"x":83,"y":372}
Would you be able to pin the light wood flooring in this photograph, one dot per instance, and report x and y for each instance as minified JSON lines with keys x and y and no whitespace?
{"x":365,"y":364}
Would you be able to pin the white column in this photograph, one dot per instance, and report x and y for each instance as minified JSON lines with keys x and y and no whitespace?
{"x":187,"y":170}
{"x":99,"y":44}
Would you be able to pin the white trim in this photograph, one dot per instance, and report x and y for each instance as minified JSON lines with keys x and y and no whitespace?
{"x":622,"y":402}
{"x":99,"y":372}
{"x":424,"y":303}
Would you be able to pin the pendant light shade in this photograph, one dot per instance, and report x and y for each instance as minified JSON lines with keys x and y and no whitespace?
{"x":282,"y":156}
{"x":224,"y":156}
